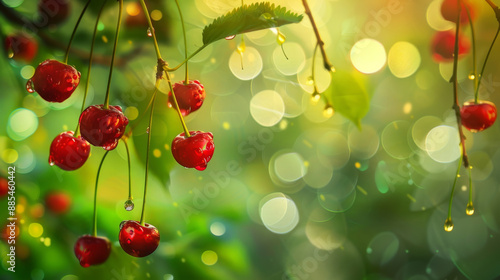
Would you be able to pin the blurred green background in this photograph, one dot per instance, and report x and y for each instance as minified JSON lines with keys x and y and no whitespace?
{"x":291,"y":192}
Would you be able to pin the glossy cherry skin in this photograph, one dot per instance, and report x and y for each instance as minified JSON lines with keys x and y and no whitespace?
{"x":136,"y":240}
{"x":443,"y":46}
{"x":21,"y":47}
{"x":4,"y":187}
{"x":195,"y":151}
{"x":53,"y":11}
{"x":449,"y":10}
{"x":58,"y":202}
{"x":190,"y":97}
{"x":69,"y":152}
{"x":103,"y":127}
{"x":92,"y":250}
{"x":54,"y":81}
{"x":478,"y":117}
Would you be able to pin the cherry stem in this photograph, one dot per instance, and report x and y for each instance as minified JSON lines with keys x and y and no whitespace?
{"x":120,"y":10}
{"x":147,"y":151}
{"x":456,"y":106}
{"x":129,"y":169}
{"x":137,"y":121}
{"x":66,"y":55}
{"x":94,"y":226}
{"x":326,"y":63}
{"x":91,"y":55}
{"x":470,"y":184}
{"x":176,"y":107}
{"x":186,"y":80}
{"x":453,"y":188}
{"x":151,"y":28}
{"x":167,"y":69}
{"x":474,"y":53}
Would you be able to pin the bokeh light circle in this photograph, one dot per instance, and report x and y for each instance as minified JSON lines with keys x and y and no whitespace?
{"x":403,"y":59}
{"x":294,"y":60}
{"x":278,"y":213}
{"x":442,"y":144}
{"x":247,"y":66}
{"x":363,"y":143}
{"x":267,"y":107}
{"x":368,"y":56}
{"x":22,"y":124}
{"x":289,"y":167}
{"x":395,"y":139}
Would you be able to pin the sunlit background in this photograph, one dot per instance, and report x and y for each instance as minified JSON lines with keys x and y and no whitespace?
{"x":293,"y":191}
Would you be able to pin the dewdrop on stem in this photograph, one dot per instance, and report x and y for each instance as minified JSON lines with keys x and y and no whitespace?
{"x":448,"y":225}
{"x":150,"y":32}
{"x":328,"y":111}
{"x":469,"y":210}
{"x":129,"y":205}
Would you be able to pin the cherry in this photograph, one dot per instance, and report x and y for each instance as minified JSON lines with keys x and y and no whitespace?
{"x":449,"y":10}
{"x":69,"y":152}
{"x":21,"y":47}
{"x":443,"y":46}
{"x":4,"y":186}
{"x":92,"y":250}
{"x":58,"y":202}
{"x":136,"y":240}
{"x":54,"y":81}
{"x":189,"y":96}
{"x":53,"y":11}
{"x":478,"y":116}
{"x":103,"y":127}
{"x":195,"y":151}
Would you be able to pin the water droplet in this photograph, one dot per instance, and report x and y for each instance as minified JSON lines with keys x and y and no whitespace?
{"x":69,"y":88}
{"x":281,"y":38}
{"x":472,"y":76}
{"x":51,"y":163}
{"x":10,"y":53}
{"x":201,"y":167}
{"x":129,"y":205}
{"x":230,"y":37}
{"x":241,"y":46}
{"x":29,"y":86}
{"x":68,"y":79}
{"x":328,"y":112}
{"x":316,"y":96}
{"x":147,"y":130}
{"x":469,"y":209}
{"x":129,"y":241}
{"x":448,"y":225}
{"x":150,"y":32}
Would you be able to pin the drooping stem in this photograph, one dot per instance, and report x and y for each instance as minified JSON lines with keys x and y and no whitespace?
{"x":326,"y":63}
{"x":129,"y":169}
{"x":470,"y":185}
{"x":456,"y":106}
{"x":186,"y":79}
{"x":457,"y":175}
{"x":74,"y":31}
{"x":151,"y":28}
{"x":474,"y":53}
{"x":313,"y":70}
{"x":167,"y":69}
{"x":176,"y":106}
{"x":150,"y":129}
{"x":120,"y":10}
{"x":94,"y":224}
{"x":91,"y":55}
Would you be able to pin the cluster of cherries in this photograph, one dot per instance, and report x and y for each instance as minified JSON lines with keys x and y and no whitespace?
{"x":476,"y":115}
{"x":103,"y":126}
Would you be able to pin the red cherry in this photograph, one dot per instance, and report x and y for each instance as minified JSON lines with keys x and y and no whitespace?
{"x":103,"y":127}
{"x":92,"y":250}
{"x":21,"y":47}
{"x":449,"y":10}
{"x":54,"y":81}
{"x":4,"y":186}
{"x":136,"y":240}
{"x":478,"y":116}
{"x":53,"y":11}
{"x":68,"y":152}
{"x":190,"y":97}
{"x":443,"y":46}
{"x":58,"y":202}
{"x":195,"y":151}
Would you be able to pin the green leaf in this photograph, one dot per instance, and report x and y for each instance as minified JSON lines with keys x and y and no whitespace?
{"x":247,"y":18}
{"x":348,"y":95}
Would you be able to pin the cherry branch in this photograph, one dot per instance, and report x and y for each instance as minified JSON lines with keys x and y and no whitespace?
{"x":326,"y":63}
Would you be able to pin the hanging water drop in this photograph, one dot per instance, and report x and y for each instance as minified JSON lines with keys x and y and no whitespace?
{"x":129,"y":205}
{"x":230,"y":37}
{"x":147,"y":130}
{"x":448,"y":225}
{"x":29,"y":86}
{"x":150,"y":32}
{"x":328,"y":112}
{"x":10,"y":53}
{"x":472,"y":76}
{"x":469,"y":209}
{"x":316,"y":96}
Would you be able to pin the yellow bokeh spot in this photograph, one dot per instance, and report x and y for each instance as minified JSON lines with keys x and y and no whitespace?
{"x":20,"y":209}
{"x":209,"y":257}
{"x":10,"y":155}
{"x":35,"y":230}
{"x":156,"y":15}
{"x":47,"y":242}
{"x":357,"y":165}
{"x":104,"y":39}
{"x":133,"y":9}
{"x":157,"y":153}
{"x":179,"y":233}
{"x":167,"y":147}
{"x":226,"y":125}
{"x":175,"y":204}
{"x":131,"y":113}
{"x":403,"y":59}
{"x":27,"y":71}
{"x":322,"y":197}
{"x":368,"y":56}
{"x":407,"y":108}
